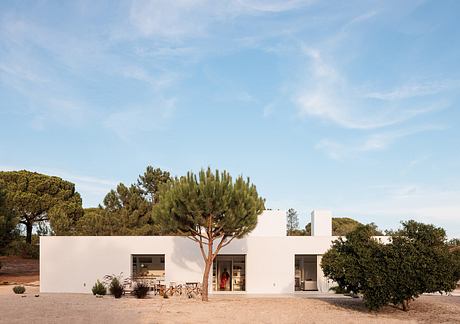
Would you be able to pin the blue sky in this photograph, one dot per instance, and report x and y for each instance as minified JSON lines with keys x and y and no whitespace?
{"x":351,"y":106}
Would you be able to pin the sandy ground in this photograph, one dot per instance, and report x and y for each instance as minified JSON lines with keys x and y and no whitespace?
{"x":18,"y":270}
{"x":81,"y":308}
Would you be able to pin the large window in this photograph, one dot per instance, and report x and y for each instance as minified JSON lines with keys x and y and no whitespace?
{"x":305,"y":272}
{"x":229,"y":273}
{"x":148,"y":266}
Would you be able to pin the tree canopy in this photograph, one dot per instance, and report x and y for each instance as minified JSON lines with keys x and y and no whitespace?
{"x":33,"y":197}
{"x":128,"y":210}
{"x":99,"y":222}
{"x":341,"y":226}
{"x":207,"y":209}
{"x":8,"y":223}
{"x":415,"y":261}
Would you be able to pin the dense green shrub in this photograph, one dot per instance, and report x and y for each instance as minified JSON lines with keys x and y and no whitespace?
{"x":99,"y":288}
{"x":19,"y":289}
{"x":116,"y":284}
{"x":116,"y":288}
{"x":141,"y":288}
{"x":416,"y":261}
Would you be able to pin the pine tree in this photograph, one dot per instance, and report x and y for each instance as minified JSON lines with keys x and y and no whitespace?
{"x":211,"y":210}
{"x":35,"y":197}
{"x":292,"y":221}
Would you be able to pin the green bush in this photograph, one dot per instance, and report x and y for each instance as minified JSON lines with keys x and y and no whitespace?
{"x":19,"y":289}
{"x":116,"y":288}
{"x":140,"y":289}
{"x":99,"y":288}
{"x":416,"y":261}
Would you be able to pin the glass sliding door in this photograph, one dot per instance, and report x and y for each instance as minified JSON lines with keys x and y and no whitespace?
{"x":305,"y":272}
{"x":229,"y":273}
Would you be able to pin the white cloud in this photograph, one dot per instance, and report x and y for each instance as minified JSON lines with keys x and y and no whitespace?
{"x":373,"y":142}
{"x":176,"y":20}
{"x":158,"y":82}
{"x":274,"y":6}
{"x":415,"y":90}
{"x":130,"y":122}
{"x":329,"y":96}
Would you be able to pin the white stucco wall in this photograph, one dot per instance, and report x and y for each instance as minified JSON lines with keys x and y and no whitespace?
{"x":321,"y":223}
{"x":73,"y":264}
{"x":270,"y":223}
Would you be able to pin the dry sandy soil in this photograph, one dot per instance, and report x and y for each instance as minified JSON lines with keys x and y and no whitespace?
{"x":81,"y":308}
{"x":18,"y":270}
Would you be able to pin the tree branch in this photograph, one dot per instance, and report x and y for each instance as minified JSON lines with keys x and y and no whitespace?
{"x":228,"y":242}
{"x":220,"y":245}
{"x":203,"y":254}
{"x":196,"y":233}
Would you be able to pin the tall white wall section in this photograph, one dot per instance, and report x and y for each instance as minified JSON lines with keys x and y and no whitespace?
{"x":270,"y":223}
{"x":321,"y":223}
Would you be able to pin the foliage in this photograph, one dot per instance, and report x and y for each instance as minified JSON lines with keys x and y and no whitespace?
{"x":141,"y":288}
{"x":341,"y":226}
{"x":210,"y":208}
{"x":19,"y":247}
{"x":416,"y":261}
{"x":34,"y":197}
{"x":116,"y":284}
{"x":298,"y":232}
{"x":99,"y":288}
{"x":19,"y":289}
{"x":8,"y":224}
{"x":128,"y":207}
{"x":151,"y":181}
{"x":99,"y":222}
{"x":292,"y":221}
{"x":127,"y":210}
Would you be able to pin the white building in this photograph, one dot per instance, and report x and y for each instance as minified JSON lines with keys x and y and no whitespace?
{"x":267,"y":261}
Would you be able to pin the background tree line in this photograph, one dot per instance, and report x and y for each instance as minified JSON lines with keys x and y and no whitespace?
{"x":37,"y":204}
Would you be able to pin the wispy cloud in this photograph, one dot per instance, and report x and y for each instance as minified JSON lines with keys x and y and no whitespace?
{"x":274,"y":6}
{"x":329,"y":96}
{"x":130,"y":122}
{"x":53,"y":91}
{"x":415,"y":90}
{"x":373,"y":142}
{"x":178,"y":20}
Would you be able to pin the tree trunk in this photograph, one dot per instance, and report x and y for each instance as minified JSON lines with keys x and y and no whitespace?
{"x":405,"y":305}
{"x":29,"y":233}
{"x":205,"y":285}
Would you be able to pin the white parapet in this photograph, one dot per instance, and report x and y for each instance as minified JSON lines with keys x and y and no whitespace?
{"x":270,"y":223}
{"x":321,"y":223}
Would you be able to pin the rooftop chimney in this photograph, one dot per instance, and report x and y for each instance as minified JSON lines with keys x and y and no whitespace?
{"x":321,"y":223}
